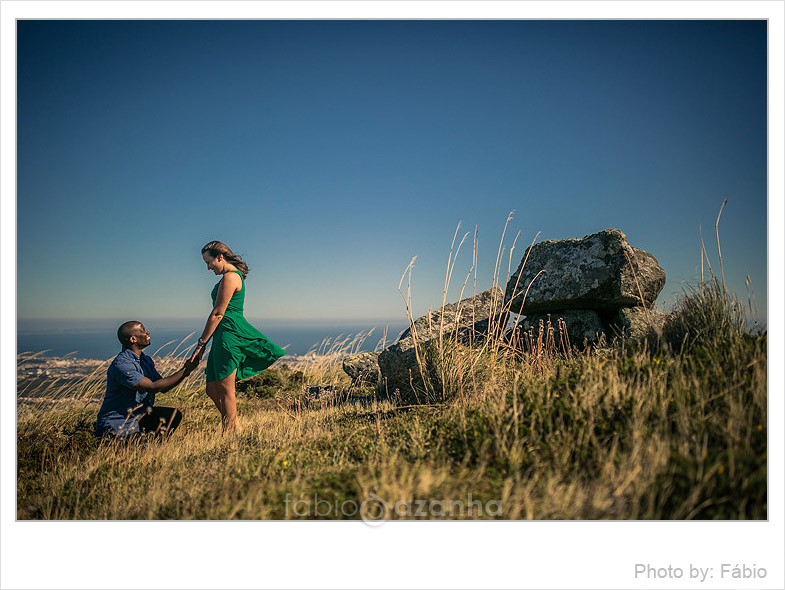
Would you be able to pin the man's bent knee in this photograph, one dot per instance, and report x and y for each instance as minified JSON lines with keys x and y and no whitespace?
{"x":161,"y":420}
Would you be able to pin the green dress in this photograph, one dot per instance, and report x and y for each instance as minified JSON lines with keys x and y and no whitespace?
{"x":237,"y":344}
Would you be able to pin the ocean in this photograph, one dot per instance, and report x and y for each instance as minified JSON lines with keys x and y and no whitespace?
{"x":97,"y":339}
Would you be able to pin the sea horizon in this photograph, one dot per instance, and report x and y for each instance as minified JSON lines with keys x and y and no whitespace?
{"x":95,"y":338}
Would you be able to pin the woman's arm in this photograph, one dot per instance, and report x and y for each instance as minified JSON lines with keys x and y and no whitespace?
{"x":230,"y":284}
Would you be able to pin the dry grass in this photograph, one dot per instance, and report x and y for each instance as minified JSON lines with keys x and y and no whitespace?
{"x":631,"y":434}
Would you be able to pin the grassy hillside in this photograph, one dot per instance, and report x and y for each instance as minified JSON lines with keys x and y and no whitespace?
{"x":674,"y":428}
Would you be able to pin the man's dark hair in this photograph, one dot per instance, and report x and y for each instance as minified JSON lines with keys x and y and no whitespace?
{"x":125,"y":331}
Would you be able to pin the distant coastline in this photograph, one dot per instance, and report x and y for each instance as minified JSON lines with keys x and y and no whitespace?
{"x":95,"y":339}
{"x":48,"y":368}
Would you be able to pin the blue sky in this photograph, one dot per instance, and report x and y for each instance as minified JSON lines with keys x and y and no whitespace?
{"x":329,"y":153}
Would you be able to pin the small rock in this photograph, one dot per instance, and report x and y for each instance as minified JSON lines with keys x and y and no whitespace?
{"x":363,"y":368}
{"x":318,"y":391}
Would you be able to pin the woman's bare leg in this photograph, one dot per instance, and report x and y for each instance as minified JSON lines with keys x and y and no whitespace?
{"x":223,"y":395}
{"x":213,"y":392}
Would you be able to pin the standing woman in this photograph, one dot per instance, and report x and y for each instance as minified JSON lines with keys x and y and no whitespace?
{"x":239,"y":350}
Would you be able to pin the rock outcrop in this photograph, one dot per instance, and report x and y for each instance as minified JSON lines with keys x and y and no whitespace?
{"x":586,"y":288}
{"x":587,"y":282}
{"x":465,"y":322}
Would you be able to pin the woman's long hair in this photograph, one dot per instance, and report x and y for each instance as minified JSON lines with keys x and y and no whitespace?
{"x":215,"y":248}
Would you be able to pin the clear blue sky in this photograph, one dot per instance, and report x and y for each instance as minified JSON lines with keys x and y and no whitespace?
{"x":329,"y":153}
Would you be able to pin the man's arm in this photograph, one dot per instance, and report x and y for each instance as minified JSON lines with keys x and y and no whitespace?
{"x":164,"y":384}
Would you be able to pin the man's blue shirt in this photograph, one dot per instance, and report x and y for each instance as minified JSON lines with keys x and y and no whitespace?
{"x":123,"y":406}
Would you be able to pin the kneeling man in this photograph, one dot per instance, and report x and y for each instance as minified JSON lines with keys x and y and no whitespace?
{"x":131,"y":384}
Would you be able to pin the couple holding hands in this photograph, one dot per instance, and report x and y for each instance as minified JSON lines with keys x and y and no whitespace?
{"x":239,"y":351}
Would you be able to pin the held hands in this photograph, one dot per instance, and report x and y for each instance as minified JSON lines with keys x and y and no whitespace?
{"x":196,"y":357}
{"x":191,"y":364}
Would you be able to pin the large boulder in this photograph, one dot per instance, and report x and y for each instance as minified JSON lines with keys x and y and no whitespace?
{"x":464,"y":322}
{"x":638,"y":323}
{"x":363,"y":368}
{"x":579,"y":325}
{"x":600,"y":272}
